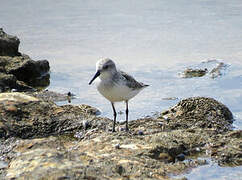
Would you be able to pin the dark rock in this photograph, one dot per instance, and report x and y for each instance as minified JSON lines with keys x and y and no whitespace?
{"x":8,"y":44}
{"x":214,"y":68}
{"x":26,"y":71}
{"x":9,"y":82}
{"x":140,"y":132}
{"x":180,"y":157}
{"x":29,"y":72}
{"x":119,"y":169}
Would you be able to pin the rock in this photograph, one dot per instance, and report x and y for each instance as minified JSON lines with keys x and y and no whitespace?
{"x":25,"y":69}
{"x":40,"y":140}
{"x":190,"y":73}
{"x":19,"y":71}
{"x":8,"y":44}
{"x":9,"y":82}
{"x":47,"y":95}
{"x":140,"y":132}
{"x":199,"y":112}
{"x":58,"y":157}
{"x":214,"y":68}
{"x":227,"y":149}
{"x":24,"y":72}
{"x":180,"y":157}
{"x":175,"y":142}
{"x":28,"y":117}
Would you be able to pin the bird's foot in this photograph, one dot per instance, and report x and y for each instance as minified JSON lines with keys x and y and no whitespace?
{"x":127,"y":129}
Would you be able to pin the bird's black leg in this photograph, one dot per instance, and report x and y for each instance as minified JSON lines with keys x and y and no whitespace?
{"x":114,"y":116}
{"x":127,"y":115}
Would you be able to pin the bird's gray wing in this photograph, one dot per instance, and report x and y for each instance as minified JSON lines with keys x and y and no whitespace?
{"x":131,"y":82}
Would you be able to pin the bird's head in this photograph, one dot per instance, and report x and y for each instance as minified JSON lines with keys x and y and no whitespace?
{"x":104,"y":69}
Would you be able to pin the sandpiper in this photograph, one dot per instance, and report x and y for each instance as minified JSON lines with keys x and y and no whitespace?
{"x":116,"y":85}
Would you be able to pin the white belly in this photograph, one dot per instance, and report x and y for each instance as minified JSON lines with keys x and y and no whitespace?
{"x":116,"y":92}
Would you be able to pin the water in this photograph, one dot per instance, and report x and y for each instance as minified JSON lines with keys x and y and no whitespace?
{"x":212,"y":171}
{"x":151,"y":40}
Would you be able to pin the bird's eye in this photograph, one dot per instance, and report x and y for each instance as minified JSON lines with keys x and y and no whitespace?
{"x":105,"y":67}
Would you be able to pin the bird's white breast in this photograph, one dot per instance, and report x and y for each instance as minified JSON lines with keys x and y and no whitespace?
{"x":115,"y":92}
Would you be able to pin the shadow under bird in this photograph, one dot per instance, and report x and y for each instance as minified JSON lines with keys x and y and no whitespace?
{"x":116,"y":85}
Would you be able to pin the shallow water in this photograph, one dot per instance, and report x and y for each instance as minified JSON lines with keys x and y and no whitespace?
{"x":212,"y":171}
{"x":152,"y":40}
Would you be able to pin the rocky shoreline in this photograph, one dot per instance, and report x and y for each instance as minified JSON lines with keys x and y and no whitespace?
{"x":41,"y":140}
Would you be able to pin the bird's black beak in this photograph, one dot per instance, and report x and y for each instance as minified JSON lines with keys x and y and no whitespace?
{"x":94,"y":77}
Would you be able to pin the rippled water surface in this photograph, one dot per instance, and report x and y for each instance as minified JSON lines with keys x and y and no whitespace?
{"x":152,"y":40}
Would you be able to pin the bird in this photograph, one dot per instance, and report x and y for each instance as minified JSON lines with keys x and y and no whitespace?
{"x":116,"y":86}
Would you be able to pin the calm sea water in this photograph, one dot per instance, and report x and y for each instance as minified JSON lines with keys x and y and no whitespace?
{"x":151,"y":40}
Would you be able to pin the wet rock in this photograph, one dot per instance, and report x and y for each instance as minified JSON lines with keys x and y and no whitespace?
{"x":214,"y":68}
{"x":26,"y":69}
{"x":27,"y":117}
{"x":47,"y":95}
{"x":180,"y":157}
{"x":41,"y":140}
{"x":20,"y":70}
{"x":8,"y":44}
{"x":199,"y":112}
{"x":8,"y":82}
{"x":140,"y":132}
{"x":190,"y":73}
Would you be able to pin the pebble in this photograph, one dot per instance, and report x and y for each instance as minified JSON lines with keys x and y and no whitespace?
{"x":140,"y":132}
{"x":180,"y":157}
{"x":117,"y":146}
